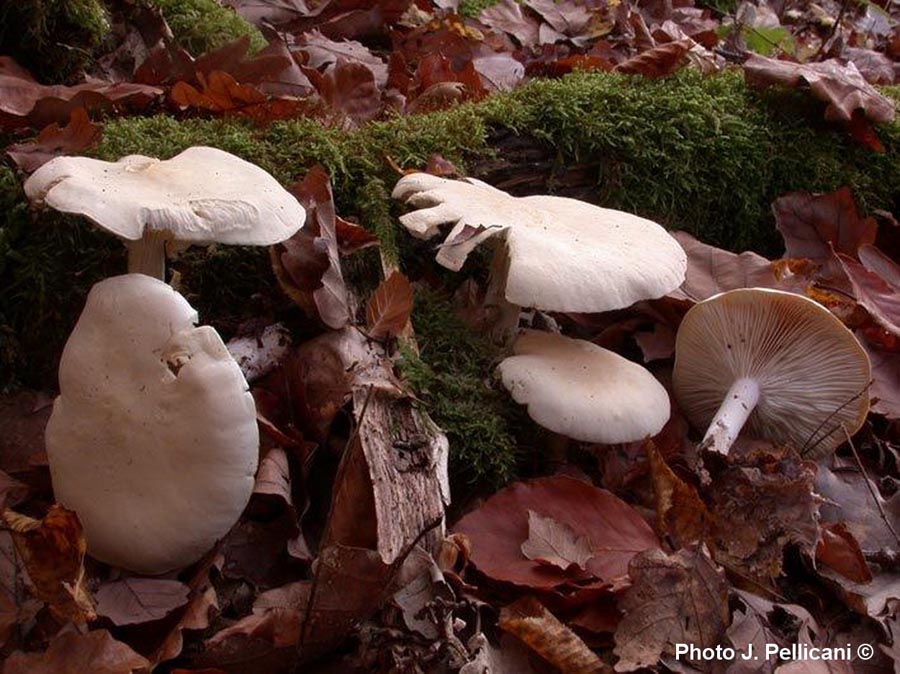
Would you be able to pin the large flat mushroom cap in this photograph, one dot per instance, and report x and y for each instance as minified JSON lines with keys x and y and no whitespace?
{"x":202,"y":195}
{"x":564,"y":254}
{"x":583,"y":391}
{"x":153,"y":439}
{"x":813,"y":374}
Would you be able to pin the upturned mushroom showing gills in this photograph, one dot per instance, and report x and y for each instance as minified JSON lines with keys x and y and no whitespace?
{"x":560,"y":254}
{"x":200,"y":196}
{"x":778,"y":363}
{"x":580,"y":390}
{"x":153,"y":439}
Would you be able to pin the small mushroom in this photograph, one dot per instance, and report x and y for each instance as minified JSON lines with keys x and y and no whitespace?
{"x":777,"y":362}
{"x":200,"y":196}
{"x":560,"y":255}
{"x":153,"y":439}
{"x":585,"y":392}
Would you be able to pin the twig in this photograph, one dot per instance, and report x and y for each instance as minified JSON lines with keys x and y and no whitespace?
{"x":834,"y":29}
{"x":869,"y":486}
{"x":818,"y":428}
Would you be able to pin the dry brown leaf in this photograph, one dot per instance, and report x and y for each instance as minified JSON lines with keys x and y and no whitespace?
{"x":139,"y":600}
{"x":498,"y":528}
{"x":307,"y":264}
{"x":841,"y":87}
{"x":555,"y":543}
{"x":24,"y":102}
{"x":659,"y":61}
{"x":72,"y":653}
{"x":389,"y":308}
{"x":680,"y":513}
{"x":219,"y":92}
{"x":53,"y":141}
{"x":352,"y":237}
{"x":530,"y":621}
{"x":674,"y":599}
{"x":53,"y":551}
{"x":814,"y":224}
{"x":881,"y":299}
{"x":839,"y":550}
{"x":712,"y":270}
{"x":758,"y":511}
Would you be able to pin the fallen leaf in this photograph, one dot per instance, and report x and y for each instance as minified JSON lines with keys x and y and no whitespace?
{"x":352,"y":237}
{"x":307,"y":264}
{"x":139,"y":600}
{"x":528,"y":620}
{"x":659,"y":61}
{"x":218,"y":92}
{"x":53,"y":551}
{"x":389,"y":308}
{"x":508,"y":16}
{"x":812,"y":224}
{"x":72,"y":653}
{"x":499,"y":527}
{"x":885,"y":389}
{"x":881,"y":299}
{"x":23,"y":417}
{"x":196,"y":616}
{"x":657,"y":344}
{"x":841,"y":87}
{"x":712,"y":270}
{"x":53,"y":141}
{"x":680,"y":512}
{"x":24,"y":102}
{"x":350,"y":91}
{"x":674,"y":599}
{"x":555,"y":543}
{"x":16,"y":606}
{"x":839,"y":550}
{"x":323,"y":54}
{"x":757,"y":511}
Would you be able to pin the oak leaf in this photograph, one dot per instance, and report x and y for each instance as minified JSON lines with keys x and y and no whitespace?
{"x":53,"y":141}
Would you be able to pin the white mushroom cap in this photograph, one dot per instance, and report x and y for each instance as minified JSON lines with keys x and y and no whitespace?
{"x":583,"y":391}
{"x":564,"y":254}
{"x":809,"y":372}
{"x":202,"y":195}
{"x":153,"y":438}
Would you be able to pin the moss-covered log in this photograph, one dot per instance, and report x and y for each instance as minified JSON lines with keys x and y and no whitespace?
{"x":702,"y":154}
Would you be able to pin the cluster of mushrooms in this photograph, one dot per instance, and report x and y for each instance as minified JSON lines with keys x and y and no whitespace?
{"x":153,"y":439}
{"x":778,"y":363}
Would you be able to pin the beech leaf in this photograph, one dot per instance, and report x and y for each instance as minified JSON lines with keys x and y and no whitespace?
{"x":552,"y":542}
{"x":389,"y":308}
{"x":138,"y":600}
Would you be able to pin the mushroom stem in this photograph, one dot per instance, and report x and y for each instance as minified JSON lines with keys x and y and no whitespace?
{"x":731,"y":416}
{"x":147,"y":255}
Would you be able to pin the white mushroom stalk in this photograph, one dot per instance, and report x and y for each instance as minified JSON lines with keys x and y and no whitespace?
{"x":200,"y":196}
{"x":774,"y":363}
{"x":562,"y":254}
{"x":153,"y":439}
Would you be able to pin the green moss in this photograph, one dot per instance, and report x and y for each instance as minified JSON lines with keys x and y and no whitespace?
{"x":705,"y":155}
{"x":201,"y":25}
{"x":452,"y":374}
{"x":53,"y":39}
{"x":473,"y":7}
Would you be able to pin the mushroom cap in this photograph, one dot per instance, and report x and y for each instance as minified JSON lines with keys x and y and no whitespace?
{"x":583,"y":391}
{"x":811,"y":371}
{"x":153,"y":439}
{"x":564,"y":254}
{"x":202,"y":195}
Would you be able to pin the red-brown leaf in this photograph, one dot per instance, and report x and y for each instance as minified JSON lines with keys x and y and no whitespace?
{"x":139,"y":600}
{"x":352,"y":237}
{"x":72,"y":653}
{"x":389,"y":308}
{"x":881,"y":299}
{"x":839,"y":550}
{"x":78,"y":135}
{"x":499,"y":527}
{"x":841,"y":87}
{"x":659,"y":61}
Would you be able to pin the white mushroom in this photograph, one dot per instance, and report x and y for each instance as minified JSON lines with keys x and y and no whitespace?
{"x":774,"y":361}
{"x":580,"y":390}
{"x":561,"y":254}
{"x":153,"y":438}
{"x":200,"y":196}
